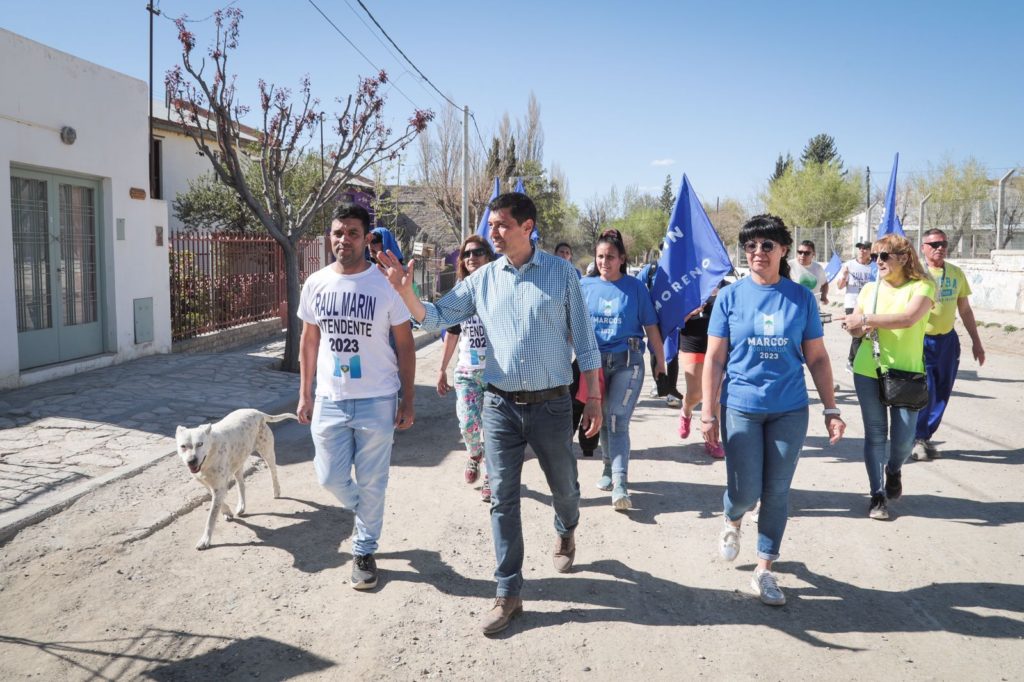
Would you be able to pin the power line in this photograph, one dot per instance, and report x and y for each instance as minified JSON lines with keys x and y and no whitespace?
{"x":368,"y":61}
{"x":416,"y":68}
{"x":385,"y":46}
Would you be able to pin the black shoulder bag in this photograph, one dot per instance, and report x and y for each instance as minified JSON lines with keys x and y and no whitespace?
{"x":897,"y":387}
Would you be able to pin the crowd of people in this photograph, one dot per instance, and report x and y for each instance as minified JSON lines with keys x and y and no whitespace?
{"x":544,"y":351}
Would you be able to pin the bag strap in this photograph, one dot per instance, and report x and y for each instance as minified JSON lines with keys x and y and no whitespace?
{"x":876,"y":350}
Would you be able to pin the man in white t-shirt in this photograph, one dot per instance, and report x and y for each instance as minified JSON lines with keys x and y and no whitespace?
{"x":807,"y":271}
{"x":349,"y":310}
{"x":854,"y":274}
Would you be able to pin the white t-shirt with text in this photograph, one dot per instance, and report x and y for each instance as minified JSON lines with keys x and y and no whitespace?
{"x":472,"y":345}
{"x":355,"y":314}
{"x":858,"y":274}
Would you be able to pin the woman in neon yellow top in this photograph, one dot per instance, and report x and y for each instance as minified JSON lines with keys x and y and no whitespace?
{"x":896,"y":305}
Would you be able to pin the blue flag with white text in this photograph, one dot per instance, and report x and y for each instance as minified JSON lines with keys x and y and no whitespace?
{"x":693,"y":262}
{"x":890,"y":221}
{"x":484,"y":229}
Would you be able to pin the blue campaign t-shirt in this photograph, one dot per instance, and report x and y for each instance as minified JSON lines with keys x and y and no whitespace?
{"x":619,"y":310}
{"x":765,"y":327}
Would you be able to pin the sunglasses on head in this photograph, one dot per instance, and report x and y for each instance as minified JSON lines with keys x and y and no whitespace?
{"x":937,"y":245}
{"x":474,"y":253}
{"x":767,"y":246}
{"x":804,"y":253}
{"x":882,"y":256}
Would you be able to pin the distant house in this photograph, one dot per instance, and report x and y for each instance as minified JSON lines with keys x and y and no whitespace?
{"x":176,"y":160}
{"x":83,"y":260}
{"x":420,"y":219}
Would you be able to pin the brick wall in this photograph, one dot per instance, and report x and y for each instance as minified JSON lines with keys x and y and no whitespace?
{"x":227,"y":339}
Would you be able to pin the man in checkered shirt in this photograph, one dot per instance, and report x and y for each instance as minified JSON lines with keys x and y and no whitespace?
{"x":534,"y":316}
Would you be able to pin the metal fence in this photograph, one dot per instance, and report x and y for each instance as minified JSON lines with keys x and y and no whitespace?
{"x":220,"y":281}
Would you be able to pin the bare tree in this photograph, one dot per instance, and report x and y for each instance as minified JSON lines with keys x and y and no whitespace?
{"x":440,"y":171}
{"x":205,"y":105}
{"x":597,"y":212}
{"x":530,"y":133}
{"x":956,"y":192}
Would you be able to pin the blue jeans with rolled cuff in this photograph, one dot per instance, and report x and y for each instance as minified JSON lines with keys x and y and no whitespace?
{"x":761,"y":454}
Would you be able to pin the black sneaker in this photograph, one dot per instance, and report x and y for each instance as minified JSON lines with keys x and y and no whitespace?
{"x":893,"y":485}
{"x":364,"y":572}
{"x":878,"y":509}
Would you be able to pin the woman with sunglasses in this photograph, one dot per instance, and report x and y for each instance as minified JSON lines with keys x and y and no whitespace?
{"x":762,"y":331}
{"x":896,"y":306}
{"x":622,"y":312}
{"x":471,"y":340}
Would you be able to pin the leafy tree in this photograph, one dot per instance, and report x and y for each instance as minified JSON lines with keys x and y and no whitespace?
{"x":814,"y":194}
{"x":667,"y":199}
{"x":203,"y":97}
{"x":821,"y":149}
{"x":728,"y":217}
{"x":956,"y":191}
{"x":781,"y":166}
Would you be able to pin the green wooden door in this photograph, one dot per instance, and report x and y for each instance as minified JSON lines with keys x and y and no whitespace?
{"x":56,"y":231}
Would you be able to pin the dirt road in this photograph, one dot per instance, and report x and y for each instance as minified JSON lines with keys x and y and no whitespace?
{"x":113,"y":589}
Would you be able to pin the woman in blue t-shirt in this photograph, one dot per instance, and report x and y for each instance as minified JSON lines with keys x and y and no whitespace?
{"x":621,"y":309}
{"x":762,"y":330}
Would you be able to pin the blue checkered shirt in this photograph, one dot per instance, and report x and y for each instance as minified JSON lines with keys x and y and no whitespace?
{"x":532,"y":317}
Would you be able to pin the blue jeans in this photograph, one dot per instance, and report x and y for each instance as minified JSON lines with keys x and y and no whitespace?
{"x":761,"y":453}
{"x":623,"y":378}
{"x":356,"y":434}
{"x":877,"y":433}
{"x":508,"y":428}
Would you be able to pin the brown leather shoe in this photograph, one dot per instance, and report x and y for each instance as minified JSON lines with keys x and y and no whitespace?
{"x":565,"y":552}
{"x":498,"y":618}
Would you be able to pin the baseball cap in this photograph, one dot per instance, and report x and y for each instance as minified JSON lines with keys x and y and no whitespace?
{"x":866,"y":245}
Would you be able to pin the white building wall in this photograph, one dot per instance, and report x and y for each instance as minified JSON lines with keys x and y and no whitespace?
{"x":181,"y":163}
{"x":44,"y":90}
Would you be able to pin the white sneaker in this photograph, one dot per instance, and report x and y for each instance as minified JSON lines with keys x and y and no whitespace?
{"x":764,"y":584}
{"x":729,"y":542}
{"x":920,"y":452}
{"x":755,"y":513}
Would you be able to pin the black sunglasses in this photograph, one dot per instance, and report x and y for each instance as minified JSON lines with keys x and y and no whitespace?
{"x":376,"y":240}
{"x":937,"y":245}
{"x":767,"y":246}
{"x":477,"y":253}
{"x":804,"y":253}
{"x":882,"y":256}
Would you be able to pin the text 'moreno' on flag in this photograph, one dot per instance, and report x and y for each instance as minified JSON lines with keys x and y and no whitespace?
{"x":693,"y":262}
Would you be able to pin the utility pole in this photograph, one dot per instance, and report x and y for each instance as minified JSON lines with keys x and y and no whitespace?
{"x":465,"y":172}
{"x":149,"y":143}
{"x":867,"y":203}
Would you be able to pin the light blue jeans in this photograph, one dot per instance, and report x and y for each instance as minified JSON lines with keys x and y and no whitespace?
{"x":761,"y":454}
{"x":884,"y":447}
{"x":623,"y":378}
{"x":508,"y":428}
{"x":356,"y":434}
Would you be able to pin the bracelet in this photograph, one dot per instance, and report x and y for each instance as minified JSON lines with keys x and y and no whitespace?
{"x":831,"y":411}
{"x":713,"y":420}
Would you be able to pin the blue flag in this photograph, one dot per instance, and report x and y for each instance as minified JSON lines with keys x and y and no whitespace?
{"x":835,"y":264}
{"x":484,"y":229}
{"x":693,"y":262}
{"x":890,"y":221}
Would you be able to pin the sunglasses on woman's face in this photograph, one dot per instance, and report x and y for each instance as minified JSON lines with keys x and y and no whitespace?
{"x":882,"y":256}
{"x":767,"y":246}
{"x":474,"y":253}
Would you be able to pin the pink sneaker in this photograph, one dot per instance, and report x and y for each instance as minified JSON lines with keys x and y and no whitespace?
{"x":714,"y":451}
{"x":472,"y":470}
{"x":684,"y":425}
{"x":485,"y":491}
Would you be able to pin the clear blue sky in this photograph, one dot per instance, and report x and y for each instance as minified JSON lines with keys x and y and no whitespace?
{"x":717,"y":88}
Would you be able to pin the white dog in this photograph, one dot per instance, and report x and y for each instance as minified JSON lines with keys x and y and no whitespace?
{"x":215,"y":453}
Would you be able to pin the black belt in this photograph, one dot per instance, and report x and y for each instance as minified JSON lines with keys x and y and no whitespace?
{"x":530,"y":397}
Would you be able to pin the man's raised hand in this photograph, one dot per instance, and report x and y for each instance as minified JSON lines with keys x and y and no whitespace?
{"x":398,"y":276}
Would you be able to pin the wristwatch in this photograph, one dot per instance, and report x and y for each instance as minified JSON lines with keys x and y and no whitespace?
{"x":830,"y":411}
